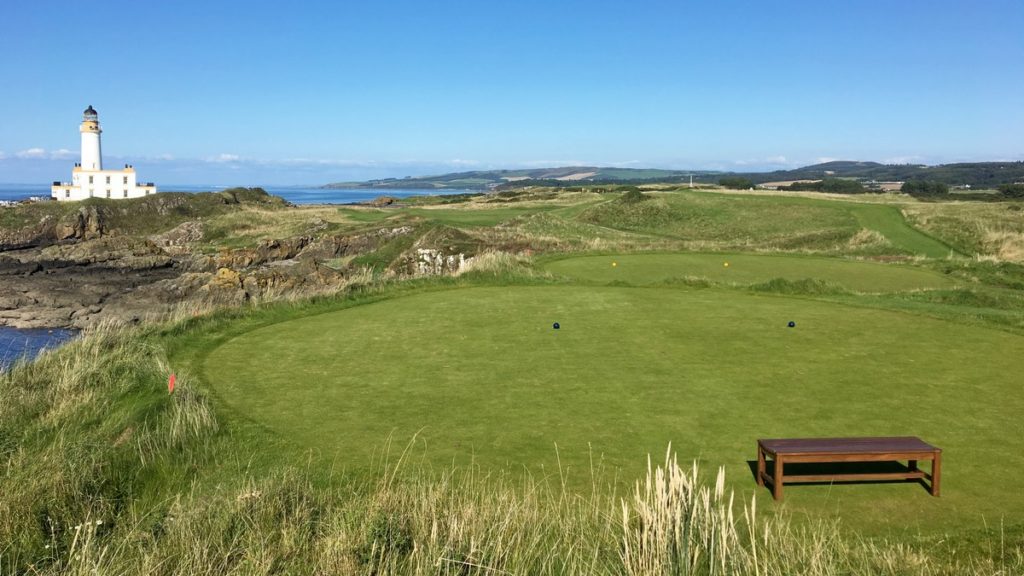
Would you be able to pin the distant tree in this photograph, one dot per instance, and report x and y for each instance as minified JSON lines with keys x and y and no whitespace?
{"x":924,"y":188}
{"x":841,"y":186}
{"x":736,"y":182}
{"x":1012,"y":190}
{"x":833,"y":185}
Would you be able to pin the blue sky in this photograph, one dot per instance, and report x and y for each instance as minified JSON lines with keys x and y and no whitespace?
{"x":312,"y":92}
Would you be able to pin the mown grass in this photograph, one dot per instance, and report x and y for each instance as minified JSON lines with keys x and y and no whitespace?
{"x":745,"y":269}
{"x":104,"y":473}
{"x":481,"y":376}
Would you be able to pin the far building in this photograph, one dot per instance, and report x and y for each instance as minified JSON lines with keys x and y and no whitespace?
{"x":89,"y":179}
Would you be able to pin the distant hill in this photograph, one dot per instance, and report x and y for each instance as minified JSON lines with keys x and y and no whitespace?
{"x":974,"y":174}
{"x":567,"y":175}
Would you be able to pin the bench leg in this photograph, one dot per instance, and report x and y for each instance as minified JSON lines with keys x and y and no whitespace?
{"x":936,"y":473}
{"x":760,"y":465}
{"x":777,"y":478}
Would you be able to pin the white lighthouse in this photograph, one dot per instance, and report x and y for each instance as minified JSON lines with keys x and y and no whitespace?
{"x":92,"y":155}
{"x":89,"y":179}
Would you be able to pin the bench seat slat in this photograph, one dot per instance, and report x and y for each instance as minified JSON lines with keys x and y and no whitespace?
{"x":834,"y":446}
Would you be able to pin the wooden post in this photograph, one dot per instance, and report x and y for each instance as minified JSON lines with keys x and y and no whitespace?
{"x":777,"y":478}
{"x":760,"y":465}
{"x":936,"y":472}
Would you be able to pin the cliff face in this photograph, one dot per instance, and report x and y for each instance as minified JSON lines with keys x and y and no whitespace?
{"x":80,"y":264}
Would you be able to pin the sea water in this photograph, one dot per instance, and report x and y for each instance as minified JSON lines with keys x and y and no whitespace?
{"x":293,"y":194}
{"x":17,"y":343}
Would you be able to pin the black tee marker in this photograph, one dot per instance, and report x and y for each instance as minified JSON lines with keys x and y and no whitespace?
{"x":791,"y":324}
{"x":555,"y":326}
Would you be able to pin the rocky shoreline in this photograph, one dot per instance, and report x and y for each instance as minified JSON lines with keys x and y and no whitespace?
{"x":86,"y":267}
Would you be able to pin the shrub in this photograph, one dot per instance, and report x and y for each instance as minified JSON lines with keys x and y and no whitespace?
{"x":833,"y":185}
{"x":919,"y":188}
{"x":736,"y":182}
{"x":1012,"y":190}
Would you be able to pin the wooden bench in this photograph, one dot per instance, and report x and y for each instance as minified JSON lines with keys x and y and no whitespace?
{"x":829,"y":450}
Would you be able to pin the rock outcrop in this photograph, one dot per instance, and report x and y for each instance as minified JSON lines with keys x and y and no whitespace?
{"x":76,"y":265}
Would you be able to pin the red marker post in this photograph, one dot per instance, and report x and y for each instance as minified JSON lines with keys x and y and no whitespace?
{"x":170,"y":383}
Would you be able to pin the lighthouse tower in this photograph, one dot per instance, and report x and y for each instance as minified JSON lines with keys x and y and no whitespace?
{"x":92,"y":157}
{"x":89,"y":179}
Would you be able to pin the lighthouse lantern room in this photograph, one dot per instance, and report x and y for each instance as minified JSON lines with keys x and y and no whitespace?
{"x":89,"y":179}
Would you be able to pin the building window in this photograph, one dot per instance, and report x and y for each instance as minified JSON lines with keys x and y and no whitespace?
{"x":125,"y":193}
{"x":125,"y":179}
{"x":92,"y":193}
{"x":108,"y":193}
{"x":67,"y":193}
{"x":90,"y":179}
{"x":108,"y":179}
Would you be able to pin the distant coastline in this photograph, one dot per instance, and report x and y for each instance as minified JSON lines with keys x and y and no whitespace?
{"x":293,"y":194}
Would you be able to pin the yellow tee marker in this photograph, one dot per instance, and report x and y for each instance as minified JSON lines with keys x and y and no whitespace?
{"x":614,"y":264}
{"x":726,"y":264}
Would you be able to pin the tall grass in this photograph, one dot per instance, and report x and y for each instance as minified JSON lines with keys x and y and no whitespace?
{"x":104,"y":472}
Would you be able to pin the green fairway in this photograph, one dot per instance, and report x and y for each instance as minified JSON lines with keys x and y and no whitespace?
{"x":786,"y":223}
{"x":482,"y":375}
{"x":646,"y":269}
{"x":888,"y":221}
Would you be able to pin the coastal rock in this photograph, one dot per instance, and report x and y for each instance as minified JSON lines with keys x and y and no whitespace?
{"x":433,"y":262}
{"x":87,"y":223}
{"x":265,"y":251}
{"x":177,"y":240}
{"x":18,"y":237}
{"x":381,"y":201}
{"x":328,"y":247}
{"x":440,"y":251}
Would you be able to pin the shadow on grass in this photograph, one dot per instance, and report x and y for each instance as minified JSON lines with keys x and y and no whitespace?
{"x":815,"y":468}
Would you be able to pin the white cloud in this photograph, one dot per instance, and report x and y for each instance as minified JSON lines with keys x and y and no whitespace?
{"x":825,"y":160}
{"x":3,"y":155}
{"x":32,"y":153}
{"x":554,"y":163}
{"x":767,"y":162}
{"x":44,"y":154}
{"x":904,"y":160}
{"x":224,"y":158}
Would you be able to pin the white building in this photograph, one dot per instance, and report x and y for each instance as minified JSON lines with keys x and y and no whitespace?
{"x":89,"y":179}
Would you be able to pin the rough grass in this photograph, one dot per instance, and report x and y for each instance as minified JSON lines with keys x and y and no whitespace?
{"x":992,"y":231}
{"x":248,"y":225}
